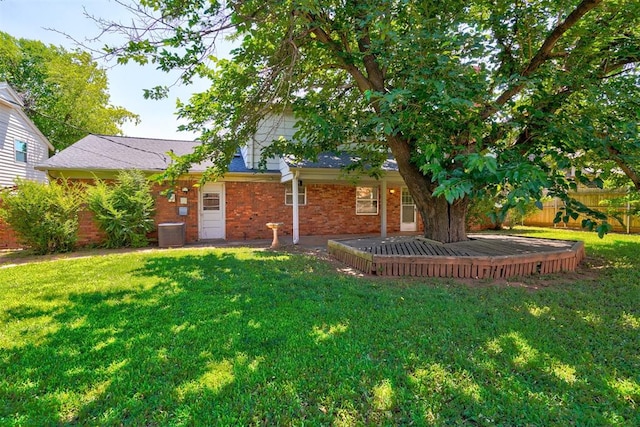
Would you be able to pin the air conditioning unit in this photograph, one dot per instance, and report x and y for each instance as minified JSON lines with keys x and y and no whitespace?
{"x":171,"y":234}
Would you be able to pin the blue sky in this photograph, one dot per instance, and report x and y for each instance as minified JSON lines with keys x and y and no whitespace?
{"x":30,"y":18}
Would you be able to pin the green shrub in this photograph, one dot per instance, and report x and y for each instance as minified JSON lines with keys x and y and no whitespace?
{"x":488,"y":213}
{"x":123,"y":209}
{"x":518,"y":215}
{"x":479,"y":214}
{"x":43,"y":216}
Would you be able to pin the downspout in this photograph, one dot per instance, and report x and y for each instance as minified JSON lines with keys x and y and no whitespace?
{"x":383,"y":208}
{"x":296,"y":219}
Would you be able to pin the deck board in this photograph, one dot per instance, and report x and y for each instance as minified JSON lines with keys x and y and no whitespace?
{"x":480,"y":245}
{"x":486,"y":255}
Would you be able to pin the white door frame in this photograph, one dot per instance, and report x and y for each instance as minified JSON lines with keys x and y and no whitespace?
{"x":407,"y":226}
{"x":201,"y":212}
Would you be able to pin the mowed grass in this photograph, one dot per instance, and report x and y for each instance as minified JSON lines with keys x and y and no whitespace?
{"x":254,"y":337}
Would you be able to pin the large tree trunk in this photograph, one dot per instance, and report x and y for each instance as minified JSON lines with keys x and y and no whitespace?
{"x":442,"y":221}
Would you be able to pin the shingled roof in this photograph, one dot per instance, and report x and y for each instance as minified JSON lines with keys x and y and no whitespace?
{"x":108,"y":153}
{"x":335,"y":161}
{"x":111,"y":153}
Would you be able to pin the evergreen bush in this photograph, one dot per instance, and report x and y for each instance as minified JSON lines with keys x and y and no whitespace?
{"x":123,"y":209}
{"x":43,"y":216}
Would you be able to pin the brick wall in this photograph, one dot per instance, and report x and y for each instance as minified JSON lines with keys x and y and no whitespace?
{"x":251,"y":205}
{"x":168,"y":211}
{"x":330,"y":210}
{"x":7,"y":237}
{"x":88,"y":232}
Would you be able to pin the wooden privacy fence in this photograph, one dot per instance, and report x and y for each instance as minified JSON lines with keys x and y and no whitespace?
{"x":483,"y":257}
{"x":594,"y":200}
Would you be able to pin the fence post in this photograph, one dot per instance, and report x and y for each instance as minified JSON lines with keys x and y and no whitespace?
{"x":628,"y":217}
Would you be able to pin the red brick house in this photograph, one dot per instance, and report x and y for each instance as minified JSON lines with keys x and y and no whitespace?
{"x":238,"y":206}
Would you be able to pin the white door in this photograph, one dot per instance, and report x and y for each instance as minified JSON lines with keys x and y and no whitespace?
{"x":407,"y":212}
{"x":212,"y":211}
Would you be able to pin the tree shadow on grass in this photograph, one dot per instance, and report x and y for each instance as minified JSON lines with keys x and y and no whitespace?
{"x":622,"y":254}
{"x":240,"y":338}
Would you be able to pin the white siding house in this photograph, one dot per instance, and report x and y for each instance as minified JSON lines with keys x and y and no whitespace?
{"x":22,"y":145}
{"x":269,"y":129}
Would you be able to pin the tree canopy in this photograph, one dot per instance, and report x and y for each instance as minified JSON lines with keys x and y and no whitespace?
{"x":65,"y":93}
{"x":477,"y":98}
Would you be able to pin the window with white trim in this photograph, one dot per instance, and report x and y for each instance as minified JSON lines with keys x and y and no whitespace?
{"x":366,"y":200}
{"x":20,"y":148}
{"x":302,"y":195}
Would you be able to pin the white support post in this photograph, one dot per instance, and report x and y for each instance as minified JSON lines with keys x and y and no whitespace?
{"x":296,"y":219}
{"x":383,"y":208}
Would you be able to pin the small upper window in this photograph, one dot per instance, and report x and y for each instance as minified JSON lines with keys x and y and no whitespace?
{"x":366,"y":200}
{"x":21,"y":151}
{"x":302,"y":195}
{"x":211,"y":202}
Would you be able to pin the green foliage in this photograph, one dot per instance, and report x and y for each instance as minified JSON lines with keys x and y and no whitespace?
{"x":496,"y":211}
{"x":482,"y":211}
{"x":65,"y":93}
{"x":517,"y":215}
{"x":620,"y":204}
{"x":237,"y":336}
{"x":44,"y":216}
{"x":123,"y":209}
{"x":467,"y":95}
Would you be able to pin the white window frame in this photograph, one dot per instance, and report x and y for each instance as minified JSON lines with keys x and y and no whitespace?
{"x":16,"y":151}
{"x":302,"y":193}
{"x":372,"y":199}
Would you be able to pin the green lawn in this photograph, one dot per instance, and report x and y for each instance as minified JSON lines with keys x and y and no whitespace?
{"x":245,"y":336}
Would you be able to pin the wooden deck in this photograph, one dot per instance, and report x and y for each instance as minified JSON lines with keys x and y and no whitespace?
{"x":484,"y":256}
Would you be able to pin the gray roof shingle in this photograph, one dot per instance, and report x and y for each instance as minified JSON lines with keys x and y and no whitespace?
{"x":109,"y":153}
{"x":106,"y":152}
{"x":335,"y":161}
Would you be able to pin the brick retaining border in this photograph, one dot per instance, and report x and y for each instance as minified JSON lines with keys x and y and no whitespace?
{"x":467,"y":267}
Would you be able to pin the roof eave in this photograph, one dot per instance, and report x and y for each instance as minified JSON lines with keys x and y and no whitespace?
{"x":337,"y":174}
